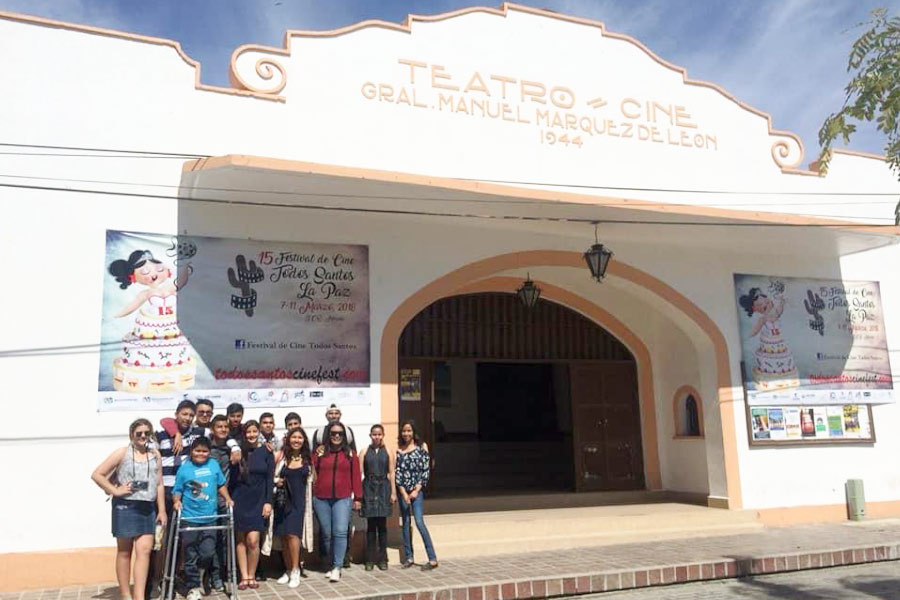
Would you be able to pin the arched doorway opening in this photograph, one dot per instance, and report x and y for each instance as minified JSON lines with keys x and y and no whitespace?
{"x":513,"y":399}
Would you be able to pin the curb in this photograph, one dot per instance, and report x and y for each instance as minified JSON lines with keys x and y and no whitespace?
{"x":608,"y":581}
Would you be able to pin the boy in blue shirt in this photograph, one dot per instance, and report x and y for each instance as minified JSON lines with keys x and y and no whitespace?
{"x":197,"y":485}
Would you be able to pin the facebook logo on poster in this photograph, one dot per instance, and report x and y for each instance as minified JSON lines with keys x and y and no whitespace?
{"x":240,"y":344}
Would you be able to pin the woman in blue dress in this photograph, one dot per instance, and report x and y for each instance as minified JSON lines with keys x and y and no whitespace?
{"x":251,"y":489}
{"x":293,"y":521}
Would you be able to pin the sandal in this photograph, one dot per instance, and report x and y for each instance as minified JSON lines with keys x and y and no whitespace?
{"x":407,"y":564}
{"x":252,"y":584}
{"x":243,"y":584}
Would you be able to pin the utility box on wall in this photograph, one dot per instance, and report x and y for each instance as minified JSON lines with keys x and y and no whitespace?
{"x":856,"y":500}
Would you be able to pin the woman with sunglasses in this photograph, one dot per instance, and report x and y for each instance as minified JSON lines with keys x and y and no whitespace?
{"x":133,"y":477}
{"x":338,"y":484}
{"x":413,"y":465}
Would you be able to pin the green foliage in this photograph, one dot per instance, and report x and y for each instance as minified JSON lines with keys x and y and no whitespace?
{"x":873,"y":93}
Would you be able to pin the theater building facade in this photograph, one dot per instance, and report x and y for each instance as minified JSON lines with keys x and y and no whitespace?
{"x":358,"y":219}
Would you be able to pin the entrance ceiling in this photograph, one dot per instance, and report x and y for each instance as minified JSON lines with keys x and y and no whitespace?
{"x":314,"y":188}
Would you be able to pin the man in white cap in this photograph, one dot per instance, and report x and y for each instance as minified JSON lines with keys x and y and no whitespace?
{"x":332,"y":414}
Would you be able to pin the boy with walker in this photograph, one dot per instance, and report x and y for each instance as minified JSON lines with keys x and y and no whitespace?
{"x":195,"y":495}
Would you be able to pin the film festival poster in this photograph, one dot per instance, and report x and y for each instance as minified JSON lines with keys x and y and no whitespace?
{"x":851,"y":421}
{"x":835,"y":421}
{"x":410,"y":385}
{"x":760,"y":420}
{"x":820,"y":418}
{"x":807,"y":422}
{"x":776,"y":424}
{"x":812,"y":341}
{"x":792,"y":422}
{"x":233,"y":320}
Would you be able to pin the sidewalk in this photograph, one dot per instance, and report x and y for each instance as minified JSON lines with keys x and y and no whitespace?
{"x":581,"y":570}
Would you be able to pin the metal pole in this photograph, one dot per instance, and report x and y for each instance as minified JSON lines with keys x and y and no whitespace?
{"x":172,"y":558}
{"x":232,"y":553}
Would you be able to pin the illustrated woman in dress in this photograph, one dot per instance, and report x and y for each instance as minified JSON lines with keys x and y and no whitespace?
{"x":252,"y":494}
{"x":413,"y":465}
{"x":769,"y":310}
{"x":133,"y":477}
{"x":142,"y":268}
{"x":293,"y":521}
{"x":378,"y":497}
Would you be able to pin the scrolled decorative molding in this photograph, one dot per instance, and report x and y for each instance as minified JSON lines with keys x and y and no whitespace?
{"x":268,"y":76}
{"x":787,"y":152}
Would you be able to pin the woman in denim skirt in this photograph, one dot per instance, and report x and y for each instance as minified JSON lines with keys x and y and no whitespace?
{"x":133,"y":477}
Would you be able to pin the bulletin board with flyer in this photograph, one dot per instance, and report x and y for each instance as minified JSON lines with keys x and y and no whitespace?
{"x":815,"y":359}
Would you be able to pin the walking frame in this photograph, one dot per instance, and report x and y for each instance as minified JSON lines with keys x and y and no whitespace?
{"x":172,"y":547}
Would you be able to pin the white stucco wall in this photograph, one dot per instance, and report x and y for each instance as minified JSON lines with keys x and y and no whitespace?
{"x":74,"y":89}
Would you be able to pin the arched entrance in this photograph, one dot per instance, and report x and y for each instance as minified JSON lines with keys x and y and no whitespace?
{"x":485,"y":274}
{"x":517,"y":399}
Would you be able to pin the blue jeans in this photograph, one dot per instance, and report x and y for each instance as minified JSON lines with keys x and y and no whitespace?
{"x":334,"y":519}
{"x":199,"y":553}
{"x":417,"y":507}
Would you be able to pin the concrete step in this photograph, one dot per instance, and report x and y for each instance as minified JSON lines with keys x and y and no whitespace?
{"x":491,"y":533}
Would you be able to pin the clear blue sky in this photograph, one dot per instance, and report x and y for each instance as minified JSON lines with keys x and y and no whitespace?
{"x":786,"y":57}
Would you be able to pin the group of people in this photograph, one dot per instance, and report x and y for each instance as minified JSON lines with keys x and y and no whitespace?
{"x":200,"y":465}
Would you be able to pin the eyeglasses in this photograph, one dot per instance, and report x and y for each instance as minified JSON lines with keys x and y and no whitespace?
{"x":142,"y":433}
{"x":337,"y":434}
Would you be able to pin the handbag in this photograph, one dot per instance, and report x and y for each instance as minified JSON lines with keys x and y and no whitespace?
{"x":280,"y":494}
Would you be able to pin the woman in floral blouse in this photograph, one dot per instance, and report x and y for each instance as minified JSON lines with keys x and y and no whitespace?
{"x":411,"y":472}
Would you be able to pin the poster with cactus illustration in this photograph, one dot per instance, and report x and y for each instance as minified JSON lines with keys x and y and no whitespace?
{"x":812,"y":341}
{"x":257,"y":322}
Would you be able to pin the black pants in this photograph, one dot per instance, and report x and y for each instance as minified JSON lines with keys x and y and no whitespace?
{"x":218,"y":572}
{"x":199,"y":553}
{"x":376,"y":540}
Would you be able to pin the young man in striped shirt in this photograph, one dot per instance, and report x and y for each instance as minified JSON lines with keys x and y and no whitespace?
{"x":171,"y":460}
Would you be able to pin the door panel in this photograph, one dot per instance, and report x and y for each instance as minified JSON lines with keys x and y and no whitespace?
{"x":607,"y":432}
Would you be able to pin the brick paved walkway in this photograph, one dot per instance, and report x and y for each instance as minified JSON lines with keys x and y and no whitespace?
{"x":856,"y":582}
{"x":581,"y":570}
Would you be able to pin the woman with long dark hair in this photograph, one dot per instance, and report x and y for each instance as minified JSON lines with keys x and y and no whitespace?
{"x":132,"y":475}
{"x":252,"y":494}
{"x":412,"y":469}
{"x":338,"y":483}
{"x":293,"y":521}
{"x":378,"y":497}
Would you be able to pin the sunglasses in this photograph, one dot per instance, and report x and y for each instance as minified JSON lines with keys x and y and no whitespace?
{"x":337,"y":434}
{"x":142,"y":433}
{"x":204,"y":412}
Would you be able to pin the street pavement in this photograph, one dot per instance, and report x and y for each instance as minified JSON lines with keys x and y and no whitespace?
{"x":869,"y":581}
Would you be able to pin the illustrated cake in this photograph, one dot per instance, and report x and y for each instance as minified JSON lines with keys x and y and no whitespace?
{"x":156,"y":357}
{"x":775,"y":368}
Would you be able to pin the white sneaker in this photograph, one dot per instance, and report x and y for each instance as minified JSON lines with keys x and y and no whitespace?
{"x":284,"y":578}
{"x":328,"y":574}
{"x":195,"y":594}
{"x":335,"y":576}
{"x":294,"y":578}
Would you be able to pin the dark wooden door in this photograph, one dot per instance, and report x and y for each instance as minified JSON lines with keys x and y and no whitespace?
{"x":607,"y":426}
{"x":415,"y":389}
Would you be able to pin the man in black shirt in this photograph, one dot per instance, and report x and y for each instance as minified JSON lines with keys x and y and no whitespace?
{"x":235,"y":413}
{"x":226,"y":452}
